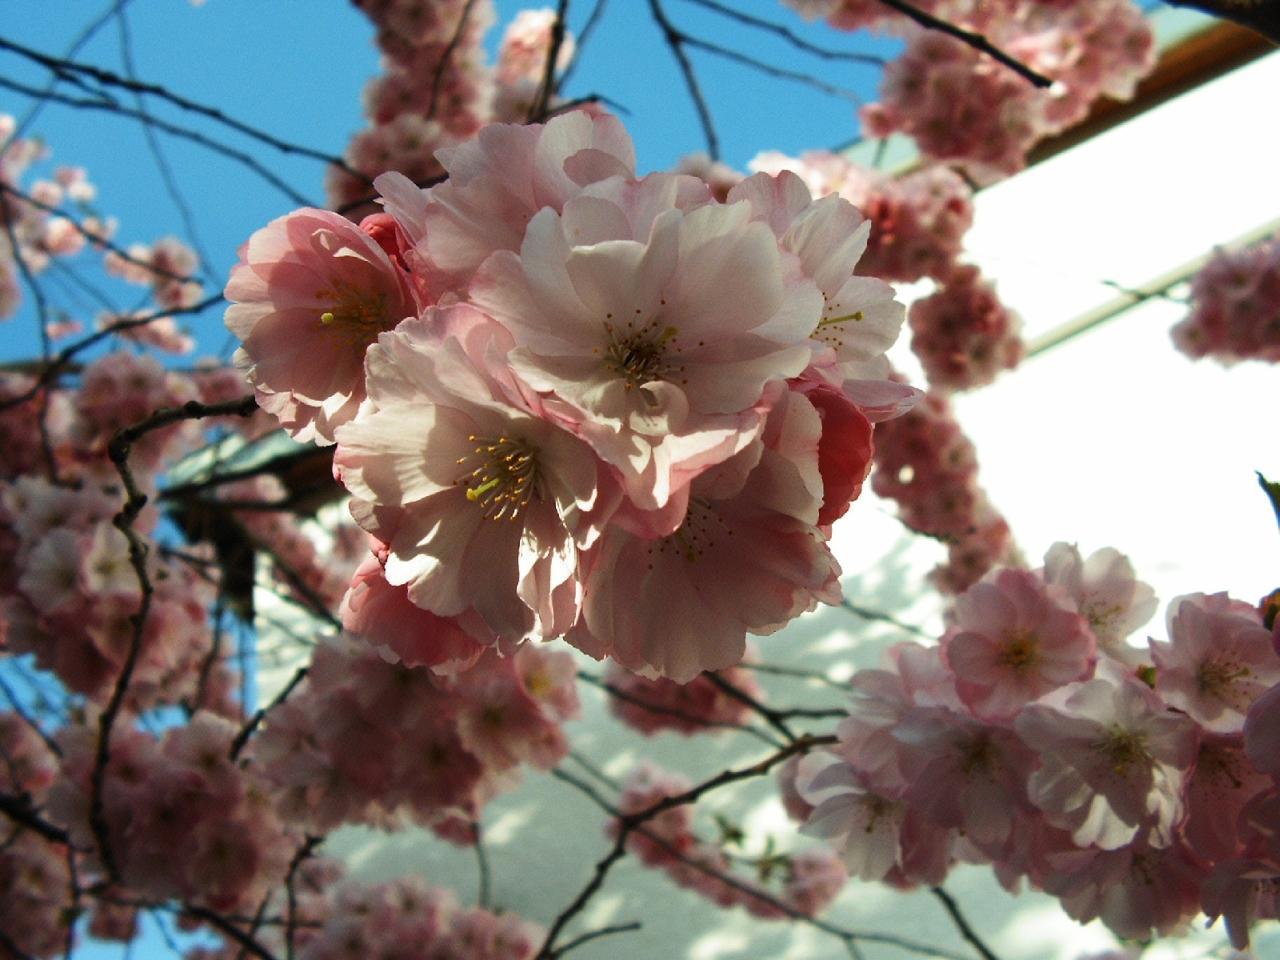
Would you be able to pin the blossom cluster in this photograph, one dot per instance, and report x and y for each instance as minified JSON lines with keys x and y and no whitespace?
{"x":33,"y":871}
{"x":963,"y":106}
{"x":42,"y":233}
{"x":962,"y":333}
{"x":436,"y":90}
{"x":182,"y":820}
{"x":806,"y":881}
{"x":1036,"y":739}
{"x":406,"y":917}
{"x":363,"y":740}
{"x":561,"y":393}
{"x":928,"y":466}
{"x":1235,"y":306}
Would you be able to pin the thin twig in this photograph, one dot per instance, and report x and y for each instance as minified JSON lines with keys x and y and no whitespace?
{"x":42,"y":318}
{"x":443,"y":63}
{"x":110,"y":106}
{"x":879,"y":617}
{"x":61,"y":361}
{"x":962,"y":924}
{"x":62,"y":68}
{"x":675,"y":40}
{"x":153,"y":144}
{"x":664,"y":710}
{"x":794,"y":39}
{"x":845,"y":935}
{"x":228,"y":928}
{"x":97,"y":239}
{"x":291,"y":917}
{"x":20,"y":811}
{"x":547,"y":86}
{"x":242,"y":738}
{"x":75,"y":46}
{"x":118,"y":451}
{"x":975,"y":40}
{"x":593,"y":20}
{"x":482,"y":866}
{"x":629,"y":823}
{"x":16,"y":706}
{"x":597,"y":934}
{"x":770,"y":716}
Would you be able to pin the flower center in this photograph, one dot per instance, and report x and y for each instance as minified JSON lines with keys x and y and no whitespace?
{"x":1019,"y":649}
{"x":695,"y":535}
{"x":354,"y":314}
{"x":1124,"y":749}
{"x":640,"y":354}
{"x":505,"y":478}
{"x":1216,"y":678}
{"x":830,"y":329}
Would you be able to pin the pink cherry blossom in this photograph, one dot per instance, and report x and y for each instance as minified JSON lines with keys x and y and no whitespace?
{"x":1114,"y":761}
{"x":1106,"y":592}
{"x":746,"y":558}
{"x":310,"y":293}
{"x":1217,"y":662}
{"x":486,"y":514}
{"x":1013,"y":642}
{"x":660,"y":350}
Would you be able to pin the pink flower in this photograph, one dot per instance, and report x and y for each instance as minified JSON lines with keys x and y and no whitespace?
{"x":659,"y":350}
{"x":482,"y":504}
{"x":964,"y":775}
{"x":384,"y":615}
{"x":1012,"y":642}
{"x":1218,"y":660}
{"x":1106,"y":592}
{"x":310,"y":293}
{"x":860,"y":317}
{"x":746,"y":558}
{"x":500,"y":179}
{"x":1114,"y":761}
{"x":1137,"y":891}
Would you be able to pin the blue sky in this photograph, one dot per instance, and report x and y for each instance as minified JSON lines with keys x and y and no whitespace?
{"x":298,"y":71}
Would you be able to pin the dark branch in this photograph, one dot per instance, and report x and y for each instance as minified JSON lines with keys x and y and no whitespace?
{"x":443,"y":64}
{"x":62,"y":360}
{"x":769,"y":70}
{"x":796,"y":41}
{"x":962,"y":924}
{"x":662,"y":709}
{"x":879,"y":617}
{"x":110,"y":106}
{"x":597,"y":934}
{"x":94,"y":238}
{"x":975,"y":40}
{"x":69,"y":69}
{"x":20,"y":811}
{"x":676,"y":40}
{"x":242,"y":738}
{"x":547,"y":86}
{"x":118,"y":452}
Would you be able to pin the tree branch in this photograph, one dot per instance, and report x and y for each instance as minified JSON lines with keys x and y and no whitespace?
{"x":975,"y":40}
{"x":68,"y":69}
{"x":962,"y":924}
{"x":118,"y":453}
{"x":675,"y":40}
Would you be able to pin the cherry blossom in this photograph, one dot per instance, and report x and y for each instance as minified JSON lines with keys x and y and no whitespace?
{"x":310,"y":293}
